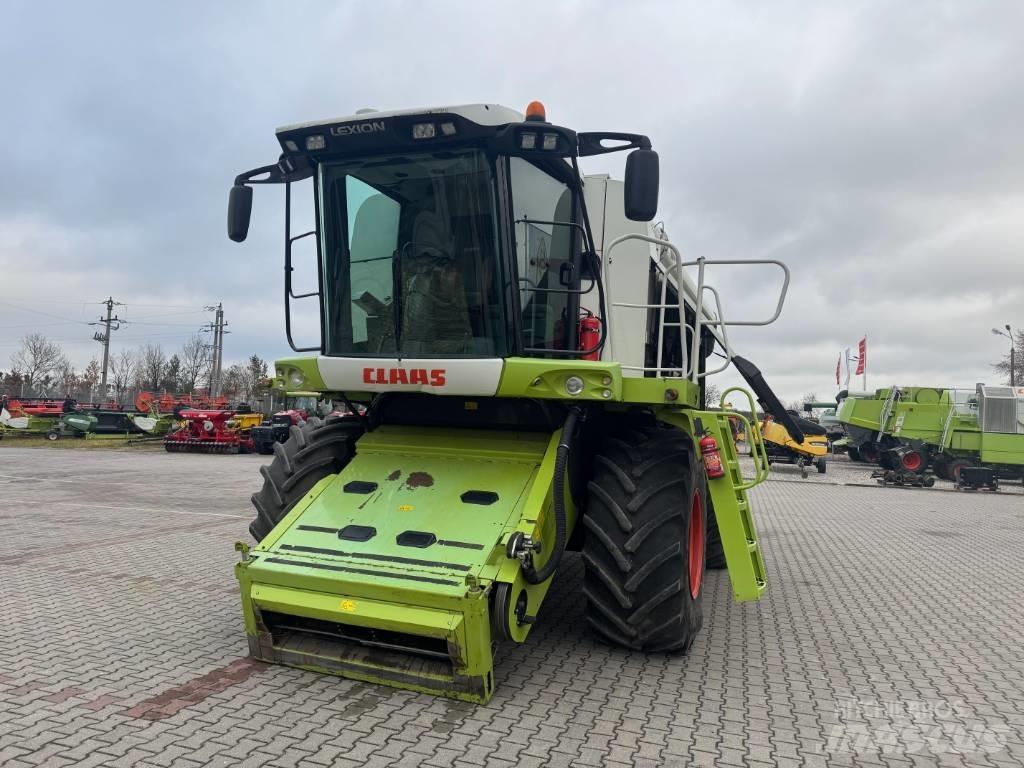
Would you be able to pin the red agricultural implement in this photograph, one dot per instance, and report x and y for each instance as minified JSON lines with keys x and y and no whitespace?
{"x":47,"y":406}
{"x":147,"y":402}
{"x":210,"y":431}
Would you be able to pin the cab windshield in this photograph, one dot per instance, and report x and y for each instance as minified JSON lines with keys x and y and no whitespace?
{"x":410,"y":256}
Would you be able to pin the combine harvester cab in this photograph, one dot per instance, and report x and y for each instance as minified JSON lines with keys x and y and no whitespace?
{"x":514,"y":387}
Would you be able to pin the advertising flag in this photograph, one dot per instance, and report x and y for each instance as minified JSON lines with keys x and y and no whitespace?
{"x":839,"y":362}
{"x":862,"y":355}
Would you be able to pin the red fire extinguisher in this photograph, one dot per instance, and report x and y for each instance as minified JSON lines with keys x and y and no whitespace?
{"x":590,"y":335}
{"x":712,"y":457}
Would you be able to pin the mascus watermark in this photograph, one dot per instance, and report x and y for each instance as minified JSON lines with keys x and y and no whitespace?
{"x":899,"y":727}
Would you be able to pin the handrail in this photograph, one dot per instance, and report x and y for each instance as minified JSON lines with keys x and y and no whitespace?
{"x":757,"y":440}
{"x":715,"y":322}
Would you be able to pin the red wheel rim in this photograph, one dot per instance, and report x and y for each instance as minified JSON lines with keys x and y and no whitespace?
{"x":696,"y":556}
{"x":912,"y":461}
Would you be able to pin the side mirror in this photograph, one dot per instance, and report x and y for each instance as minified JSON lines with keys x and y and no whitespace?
{"x":239,"y":212}
{"x":641,"y":192}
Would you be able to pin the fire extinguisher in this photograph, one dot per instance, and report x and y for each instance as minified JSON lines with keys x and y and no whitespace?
{"x":712,"y":457}
{"x":590,"y":335}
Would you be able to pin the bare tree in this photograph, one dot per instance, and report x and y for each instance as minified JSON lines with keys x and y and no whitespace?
{"x":712,"y":394}
{"x":234,"y":382}
{"x":123,"y":367}
{"x":152,"y":362}
{"x":1003,"y":366}
{"x":65,"y":377}
{"x":37,"y":360}
{"x":194,"y":362}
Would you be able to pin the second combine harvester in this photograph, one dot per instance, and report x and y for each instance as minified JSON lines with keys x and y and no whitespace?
{"x":531,"y":358}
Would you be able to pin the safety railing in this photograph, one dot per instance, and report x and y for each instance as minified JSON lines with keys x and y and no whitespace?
{"x":753,"y":428}
{"x":688,"y":295}
{"x":887,"y":407}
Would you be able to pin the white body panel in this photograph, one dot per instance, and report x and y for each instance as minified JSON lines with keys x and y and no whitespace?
{"x":145,"y":423}
{"x":449,"y":376}
{"x":628,"y":275}
{"x":481,"y":114}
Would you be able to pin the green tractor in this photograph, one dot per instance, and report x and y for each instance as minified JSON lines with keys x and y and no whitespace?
{"x":522,"y":357}
{"x":971,"y":437}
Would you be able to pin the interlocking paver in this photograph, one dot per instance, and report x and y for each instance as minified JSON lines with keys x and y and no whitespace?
{"x":889,"y":636}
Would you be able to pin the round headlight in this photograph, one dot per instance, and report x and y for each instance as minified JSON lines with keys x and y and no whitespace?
{"x":574,"y":385}
{"x":295,"y":378}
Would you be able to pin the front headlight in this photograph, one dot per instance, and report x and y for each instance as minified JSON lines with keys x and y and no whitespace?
{"x":296,"y":378}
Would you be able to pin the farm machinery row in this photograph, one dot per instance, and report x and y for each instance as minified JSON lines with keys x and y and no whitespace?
{"x":916,"y":434}
{"x":54,"y":419}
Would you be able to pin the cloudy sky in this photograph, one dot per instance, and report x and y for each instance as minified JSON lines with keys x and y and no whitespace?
{"x":877,"y":148}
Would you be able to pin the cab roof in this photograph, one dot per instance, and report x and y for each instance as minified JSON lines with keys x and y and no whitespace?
{"x":481,"y":114}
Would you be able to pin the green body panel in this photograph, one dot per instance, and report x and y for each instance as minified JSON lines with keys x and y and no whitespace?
{"x":414,"y":479}
{"x":999,"y":448}
{"x":542,"y":379}
{"x":439,"y":591}
{"x":78,"y":422}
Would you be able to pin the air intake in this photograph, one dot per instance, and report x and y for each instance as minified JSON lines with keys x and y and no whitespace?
{"x":998,"y":410}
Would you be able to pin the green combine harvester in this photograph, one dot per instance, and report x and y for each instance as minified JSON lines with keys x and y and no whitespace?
{"x":973,"y":438}
{"x":522,"y":357}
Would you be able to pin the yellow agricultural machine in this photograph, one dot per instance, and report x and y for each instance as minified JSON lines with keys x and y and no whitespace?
{"x":782,"y":447}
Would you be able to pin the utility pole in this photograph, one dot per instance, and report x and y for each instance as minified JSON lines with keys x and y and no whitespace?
{"x":105,"y":336}
{"x":217,"y":348}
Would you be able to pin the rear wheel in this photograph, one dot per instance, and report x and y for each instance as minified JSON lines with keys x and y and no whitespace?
{"x":954,"y":467}
{"x":821,"y":465}
{"x":646,"y":537}
{"x":312,"y":452}
{"x":853,"y":453}
{"x":912,"y":460}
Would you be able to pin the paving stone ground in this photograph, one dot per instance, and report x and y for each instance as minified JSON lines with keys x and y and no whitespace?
{"x":891,"y":635}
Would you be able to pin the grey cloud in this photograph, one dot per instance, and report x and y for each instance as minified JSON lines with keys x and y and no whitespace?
{"x":875,"y":147}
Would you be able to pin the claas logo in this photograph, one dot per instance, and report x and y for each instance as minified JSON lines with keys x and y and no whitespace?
{"x":431,"y":378}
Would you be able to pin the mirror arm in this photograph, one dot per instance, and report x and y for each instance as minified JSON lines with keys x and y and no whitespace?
{"x":285,"y":170}
{"x":590,"y":143}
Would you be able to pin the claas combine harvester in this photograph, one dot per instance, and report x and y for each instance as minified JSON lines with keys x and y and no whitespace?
{"x":974,"y":438}
{"x":522,"y":359}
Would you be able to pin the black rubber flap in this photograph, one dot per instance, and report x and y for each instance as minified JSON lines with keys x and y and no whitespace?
{"x":357,"y":532}
{"x":766,"y":397}
{"x":420,"y":539}
{"x":360,"y":486}
{"x":483,"y":498}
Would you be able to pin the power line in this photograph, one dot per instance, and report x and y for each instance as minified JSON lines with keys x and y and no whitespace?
{"x":45,"y":314}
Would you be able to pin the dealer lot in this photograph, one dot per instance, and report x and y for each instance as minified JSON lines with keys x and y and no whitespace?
{"x":891,"y":634}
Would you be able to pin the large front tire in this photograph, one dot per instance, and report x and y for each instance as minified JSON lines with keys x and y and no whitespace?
{"x":646,"y":533}
{"x":312,"y":452}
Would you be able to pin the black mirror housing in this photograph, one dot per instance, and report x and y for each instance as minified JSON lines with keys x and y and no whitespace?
{"x":641,"y":190}
{"x":239,"y":212}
